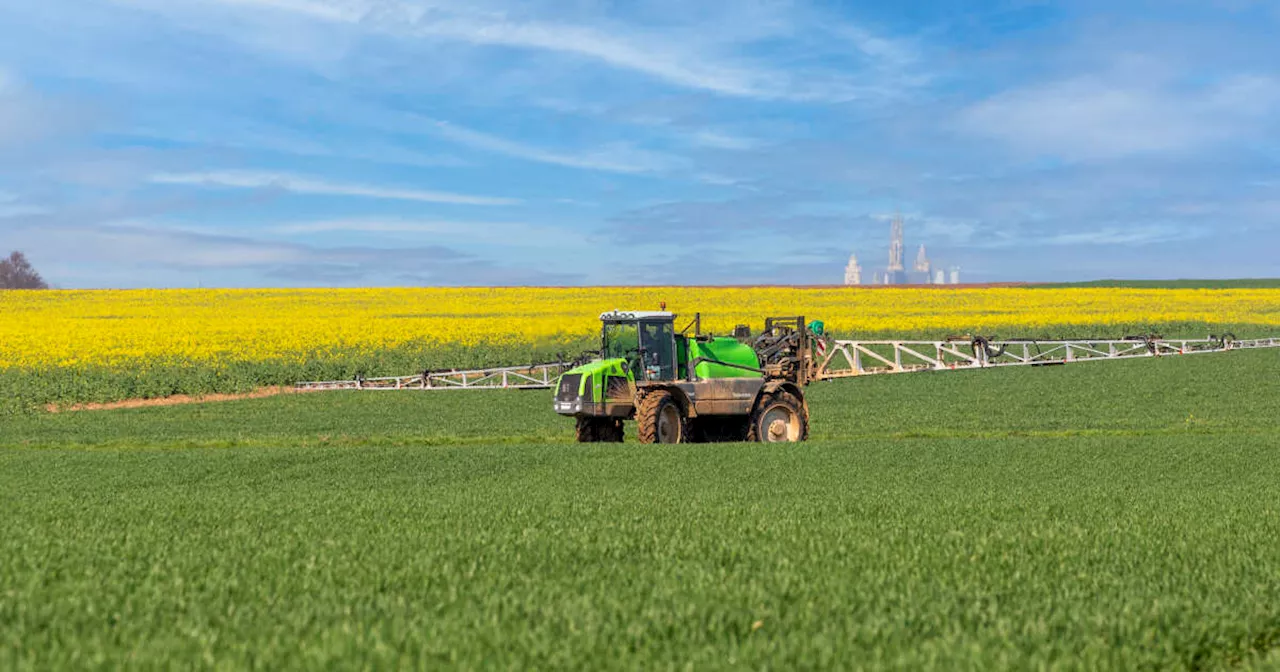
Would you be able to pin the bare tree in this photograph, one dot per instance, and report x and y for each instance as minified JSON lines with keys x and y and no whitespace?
{"x":16,"y":273}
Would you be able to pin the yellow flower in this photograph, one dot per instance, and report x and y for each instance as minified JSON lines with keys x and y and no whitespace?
{"x":124,"y":327}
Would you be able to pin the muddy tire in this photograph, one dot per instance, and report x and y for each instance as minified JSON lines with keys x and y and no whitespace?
{"x":779,"y":418}
{"x":586,"y":430}
{"x":659,"y":419}
{"x":610,"y":430}
{"x":599,"y":430}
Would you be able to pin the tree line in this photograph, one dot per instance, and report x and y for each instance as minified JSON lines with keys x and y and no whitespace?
{"x":17,"y":273}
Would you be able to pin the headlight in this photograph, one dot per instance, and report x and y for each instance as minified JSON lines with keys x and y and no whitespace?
{"x":569,"y":406}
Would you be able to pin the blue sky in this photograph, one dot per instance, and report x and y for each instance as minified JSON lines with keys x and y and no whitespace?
{"x":418,"y":142}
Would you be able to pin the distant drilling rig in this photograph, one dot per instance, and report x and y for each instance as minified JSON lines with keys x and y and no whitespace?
{"x":923,"y":272}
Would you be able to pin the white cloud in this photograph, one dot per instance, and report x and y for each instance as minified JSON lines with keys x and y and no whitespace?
{"x":139,"y":245}
{"x":11,"y":210}
{"x":717,"y":179}
{"x":719,"y":140}
{"x":304,"y":185}
{"x":1119,"y":236}
{"x":503,"y":234}
{"x":245,"y":134}
{"x":380,"y":226}
{"x":1138,"y":234}
{"x":662,"y":61}
{"x":892,"y":51}
{"x":1095,"y":118}
{"x":130,"y":252}
{"x":948,"y":230}
{"x":328,"y":11}
{"x":25,"y":116}
{"x":690,"y":56}
{"x":617,"y":158}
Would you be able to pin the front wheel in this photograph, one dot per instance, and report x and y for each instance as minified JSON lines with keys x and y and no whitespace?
{"x":778,"y":418}
{"x":659,"y":419}
{"x":599,"y":430}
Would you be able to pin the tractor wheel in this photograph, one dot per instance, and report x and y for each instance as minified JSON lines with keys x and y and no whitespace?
{"x":659,"y":419}
{"x":779,"y":417}
{"x":599,"y":430}
{"x":610,"y":430}
{"x":586,"y":430}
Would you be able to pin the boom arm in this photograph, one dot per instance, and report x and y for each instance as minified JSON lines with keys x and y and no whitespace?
{"x":846,"y":359}
{"x":798,"y":355}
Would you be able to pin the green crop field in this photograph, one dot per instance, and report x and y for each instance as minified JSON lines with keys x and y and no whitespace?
{"x":1120,"y":515}
{"x":1242,"y":283}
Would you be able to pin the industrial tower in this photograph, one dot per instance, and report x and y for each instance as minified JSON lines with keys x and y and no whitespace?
{"x":853,"y":272}
{"x":922,"y":262}
{"x":896,"y":274}
{"x":896,"y":246}
{"x":924,"y":271}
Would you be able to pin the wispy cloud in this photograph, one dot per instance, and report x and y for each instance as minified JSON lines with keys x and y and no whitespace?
{"x":1022,"y":140}
{"x":305,"y":185}
{"x":1136,"y":235}
{"x":502,"y":234}
{"x":618,"y":158}
{"x":686,"y":58}
{"x":1098,"y":118}
{"x":14,"y":209}
{"x":667,"y":64}
{"x":328,"y":11}
{"x":8,"y":81}
{"x":145,"y":249}
{"x":138,"y":244}
{"x":28,"y":117}
{"x":720,"y":140}
{"x":225,"y":132}
{"x":719,"y":180}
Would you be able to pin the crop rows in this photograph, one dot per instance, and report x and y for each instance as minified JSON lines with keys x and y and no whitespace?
{"x":1119,"y":516}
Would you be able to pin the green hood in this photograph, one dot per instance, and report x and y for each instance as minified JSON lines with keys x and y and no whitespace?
{"x":611,"y":367}
{"x":594,"y":374}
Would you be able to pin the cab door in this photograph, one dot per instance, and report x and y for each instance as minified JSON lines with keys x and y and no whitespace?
{"x":658,"y":348}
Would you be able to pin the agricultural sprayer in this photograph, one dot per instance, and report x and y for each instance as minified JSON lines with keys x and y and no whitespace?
{"x":681,"y":385}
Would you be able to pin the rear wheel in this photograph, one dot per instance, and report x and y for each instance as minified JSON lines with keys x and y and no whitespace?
{"x":659,"y":419}
{"x":778,"y":418}
{"x":599,"y":430}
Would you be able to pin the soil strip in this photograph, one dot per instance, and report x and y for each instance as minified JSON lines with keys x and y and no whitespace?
{"x":176,"y":400}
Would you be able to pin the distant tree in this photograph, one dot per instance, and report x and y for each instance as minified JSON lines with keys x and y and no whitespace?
{"x":16,"y":273}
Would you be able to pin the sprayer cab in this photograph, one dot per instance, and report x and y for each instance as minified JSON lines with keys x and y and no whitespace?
{"x":645,"y":340}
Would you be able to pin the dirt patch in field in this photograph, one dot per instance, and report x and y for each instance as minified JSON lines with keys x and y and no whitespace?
{"x":176,"y":400}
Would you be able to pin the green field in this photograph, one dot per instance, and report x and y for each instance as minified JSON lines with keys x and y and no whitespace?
{"x":1241,"y":283}
{"x":1120,"y":515}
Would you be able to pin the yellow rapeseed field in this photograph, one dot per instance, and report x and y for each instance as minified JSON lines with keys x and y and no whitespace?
{"x":110,"y":327}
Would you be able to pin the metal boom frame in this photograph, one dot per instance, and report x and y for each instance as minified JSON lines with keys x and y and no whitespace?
{"x":848,"y":359}
{"x":536,"y":377}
